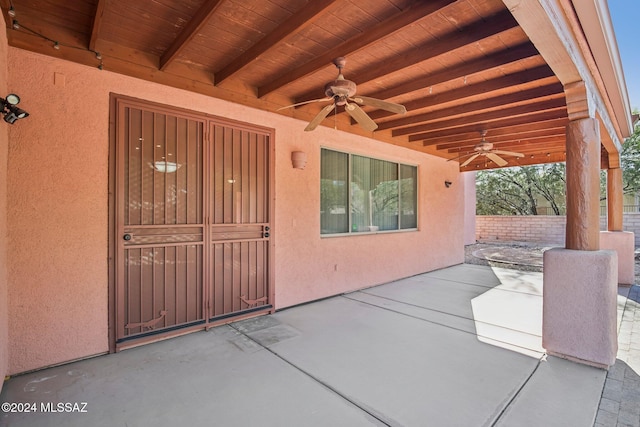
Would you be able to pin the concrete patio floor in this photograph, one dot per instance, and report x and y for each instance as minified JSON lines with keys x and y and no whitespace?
{"x":455,"y":347}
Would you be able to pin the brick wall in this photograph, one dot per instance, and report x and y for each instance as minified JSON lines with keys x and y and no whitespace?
{"x":539,"y":228}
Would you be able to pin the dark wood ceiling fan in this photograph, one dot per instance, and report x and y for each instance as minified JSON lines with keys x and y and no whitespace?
{"x":342,"y":92}
{"x":485,"y":148}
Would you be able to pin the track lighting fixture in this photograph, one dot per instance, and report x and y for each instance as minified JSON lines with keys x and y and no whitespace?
{"x":10,"y":112}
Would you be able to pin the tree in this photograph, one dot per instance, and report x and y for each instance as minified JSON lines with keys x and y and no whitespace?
{"x":630,"y":163}
{"x":518,"y":190}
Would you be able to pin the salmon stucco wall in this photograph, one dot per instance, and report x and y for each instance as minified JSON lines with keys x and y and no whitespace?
{"x":469,"y":179}
{"x":310,"y":266}
{"x":4,"y":138}
{"x":58,"y":209}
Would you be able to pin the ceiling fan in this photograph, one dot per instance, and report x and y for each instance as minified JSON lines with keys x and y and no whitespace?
{"x":342,"y":92}
{"x":485,"y":148}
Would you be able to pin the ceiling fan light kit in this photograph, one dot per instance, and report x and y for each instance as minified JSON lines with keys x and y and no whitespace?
{"x":342,"y":93}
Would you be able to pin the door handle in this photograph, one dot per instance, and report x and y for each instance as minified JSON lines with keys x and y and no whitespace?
{"x":266,"y":234}
{"x":127,"y":237}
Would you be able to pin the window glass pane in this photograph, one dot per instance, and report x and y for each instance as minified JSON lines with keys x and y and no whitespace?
{"x":374,"y":195}
{"x":334,"y":194}
{"x":360,"y":194}
{"x":408,"y":192}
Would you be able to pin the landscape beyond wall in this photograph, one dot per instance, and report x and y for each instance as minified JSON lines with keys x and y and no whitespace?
{"x":539,"y":228}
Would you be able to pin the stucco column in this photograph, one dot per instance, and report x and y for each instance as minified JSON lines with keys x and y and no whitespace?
{"x":583,"y":185}
{"x":614,"y":199}
{"x":623,"y":242}
{"x":580,"y":282}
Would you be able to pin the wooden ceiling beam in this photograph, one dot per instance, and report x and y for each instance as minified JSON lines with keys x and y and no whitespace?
{"x":509,"y":111}
{"x":457,"y":126}
{"x":468,"y":35}
{"x":198,"y":21}
{"x":528,"y":151}
{"x":554,"y":89}
{"x":300,"y":20}
{"x":503,"y":82}
{"x":402,"y":19}
{"x":496,"y":131}
{"x":97,"y":23}
{"x":484,"y":164}
{"x":509,"y":139}
{"x":524,"y":145}
{"x":23,"y":40}
{"x":513,"y":54}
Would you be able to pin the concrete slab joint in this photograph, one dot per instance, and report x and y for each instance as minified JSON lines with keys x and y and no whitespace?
{"x":579,"y":305}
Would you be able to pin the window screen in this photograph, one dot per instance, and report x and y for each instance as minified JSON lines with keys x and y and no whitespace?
{"x":361,"y":194}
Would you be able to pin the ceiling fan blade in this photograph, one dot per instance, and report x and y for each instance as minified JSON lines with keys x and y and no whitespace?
{"x":469,"y":160}
{"x":497,"y":159}
{"x":305,"y":102}
{"x":319,"y":118}
{"x":459,"y":156}
{"x":379,"y":103}
{"x":508,"y":153}
{"x":361,"y":117}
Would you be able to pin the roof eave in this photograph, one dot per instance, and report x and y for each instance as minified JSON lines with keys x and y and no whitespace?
{"x":596,"y":23}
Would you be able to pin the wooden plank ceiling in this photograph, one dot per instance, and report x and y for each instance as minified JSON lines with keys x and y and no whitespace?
{"x":460,"y":67}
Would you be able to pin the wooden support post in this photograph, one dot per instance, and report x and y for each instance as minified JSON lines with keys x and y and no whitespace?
{"x":614,"y":199}
{"x":583,"y":185}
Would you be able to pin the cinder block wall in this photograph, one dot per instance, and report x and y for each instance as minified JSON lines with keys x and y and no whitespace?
{"x":631,"y":222}
{"x":539,"y":228}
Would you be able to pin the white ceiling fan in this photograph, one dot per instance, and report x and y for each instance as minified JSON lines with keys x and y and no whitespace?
{"x":342,"y":92}
{"x":485,"y":148}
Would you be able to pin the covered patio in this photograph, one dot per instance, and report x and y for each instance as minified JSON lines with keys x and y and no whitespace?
{"x":175,"y":166}
{"x":457,"y":346}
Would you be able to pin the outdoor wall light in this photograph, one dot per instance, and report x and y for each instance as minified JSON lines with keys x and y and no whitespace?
{"x":298,"y":159}
{"x":165,"y":167}
{"x":447,"y":184}
{"x":9,"y":111}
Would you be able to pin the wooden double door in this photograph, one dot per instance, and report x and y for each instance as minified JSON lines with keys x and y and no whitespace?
{"x":192,"y":221}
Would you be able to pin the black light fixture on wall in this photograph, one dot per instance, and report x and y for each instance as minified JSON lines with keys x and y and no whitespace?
{"x":10,"y":112}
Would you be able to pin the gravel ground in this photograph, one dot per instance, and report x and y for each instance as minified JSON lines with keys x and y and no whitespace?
{"x":524,"y":250}
{"x":470,"y":258}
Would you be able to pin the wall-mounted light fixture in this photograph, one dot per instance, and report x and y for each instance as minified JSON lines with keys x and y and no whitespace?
{"x":165,"y":167}
{"x":9,"y":111}
{"x":447,"y":184}
{"x":299,"y":159}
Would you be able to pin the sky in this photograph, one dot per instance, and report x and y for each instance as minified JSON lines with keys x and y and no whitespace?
{"x":625,"y":16}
